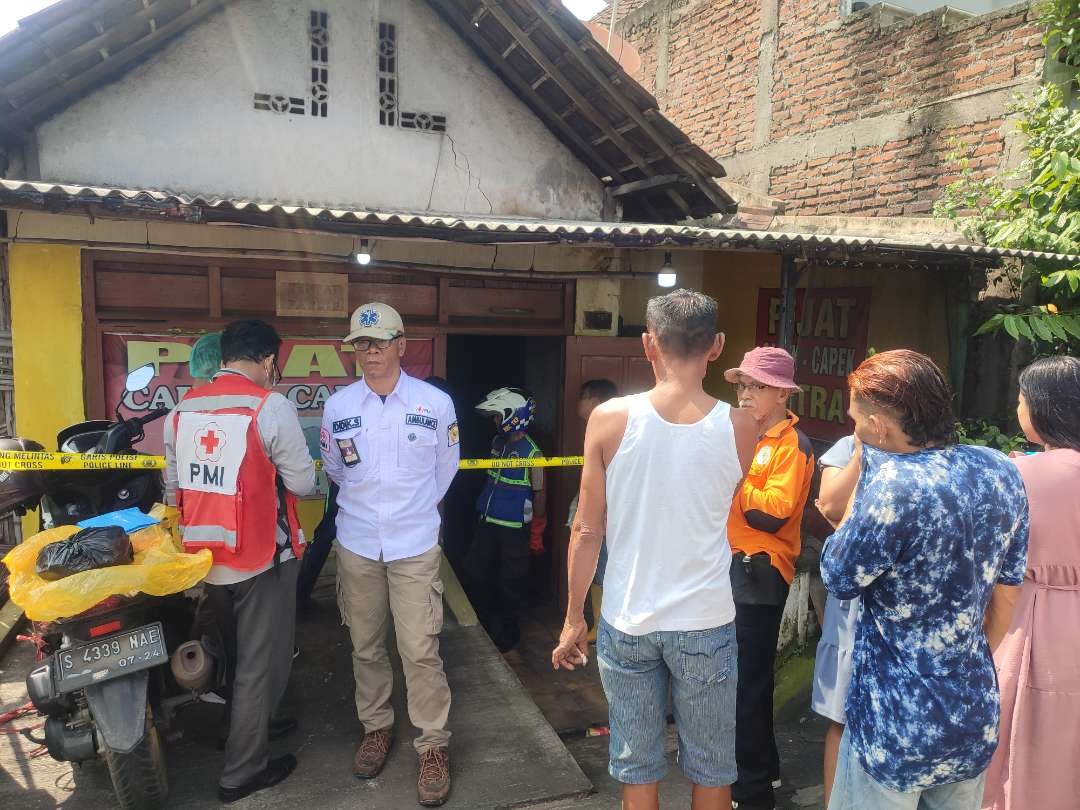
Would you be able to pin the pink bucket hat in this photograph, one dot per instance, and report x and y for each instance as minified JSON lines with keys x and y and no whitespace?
{"x":767,"y":365}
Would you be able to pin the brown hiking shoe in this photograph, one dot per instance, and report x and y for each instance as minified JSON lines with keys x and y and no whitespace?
{"x":371,"y":755}
{"x":433,"y":786}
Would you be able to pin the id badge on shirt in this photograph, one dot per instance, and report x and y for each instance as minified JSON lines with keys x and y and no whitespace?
{"x":350,"y":456}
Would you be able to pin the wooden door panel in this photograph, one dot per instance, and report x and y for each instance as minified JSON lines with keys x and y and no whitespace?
{"x":621,"y":360}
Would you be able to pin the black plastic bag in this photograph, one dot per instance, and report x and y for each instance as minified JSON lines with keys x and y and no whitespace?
{"x":83,"y":551}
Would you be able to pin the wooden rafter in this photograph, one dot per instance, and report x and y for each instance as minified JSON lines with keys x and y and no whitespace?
{"x":102,"y":70}
{"x":488,"y":51}
{"x":118,"y":34}
{"x":582,"y":105}
{"x":710,"y":189}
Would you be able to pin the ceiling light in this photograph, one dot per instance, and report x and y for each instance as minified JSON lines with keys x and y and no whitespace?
{"x":363,"y":253}
{"x":666,"y":277}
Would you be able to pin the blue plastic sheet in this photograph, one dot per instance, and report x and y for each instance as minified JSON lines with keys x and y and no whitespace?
{"x":130,"y":520}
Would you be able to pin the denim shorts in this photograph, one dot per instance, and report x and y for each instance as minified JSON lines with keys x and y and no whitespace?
{"x":701,"y":671}
{"x":855,"y":789}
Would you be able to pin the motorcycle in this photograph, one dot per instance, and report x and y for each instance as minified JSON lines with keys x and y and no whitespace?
{"x":108,"y":686}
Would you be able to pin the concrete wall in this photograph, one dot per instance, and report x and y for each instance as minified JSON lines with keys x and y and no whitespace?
{"x":835,"y":113}
{"x":185,"y":120}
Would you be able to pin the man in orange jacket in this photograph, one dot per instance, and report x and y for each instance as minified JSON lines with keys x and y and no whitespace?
{"x":764,"y":532}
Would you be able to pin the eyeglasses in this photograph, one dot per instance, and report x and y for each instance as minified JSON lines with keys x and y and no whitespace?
{"x":749,"y":386}
{"x":367,"y":344}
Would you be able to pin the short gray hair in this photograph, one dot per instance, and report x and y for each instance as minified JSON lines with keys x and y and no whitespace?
{"x":683,"y":321}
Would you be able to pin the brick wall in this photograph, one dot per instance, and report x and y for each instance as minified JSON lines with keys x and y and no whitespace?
{"x":899,"y":178}
{"x":856,"y":70}
{"x":712,"y":70}
{"x":933,"y":84}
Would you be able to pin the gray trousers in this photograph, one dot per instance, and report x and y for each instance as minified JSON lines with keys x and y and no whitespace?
{"x":260,"y":616}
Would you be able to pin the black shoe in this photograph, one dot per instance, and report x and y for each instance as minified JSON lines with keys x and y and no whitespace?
{"x":277,"y":770}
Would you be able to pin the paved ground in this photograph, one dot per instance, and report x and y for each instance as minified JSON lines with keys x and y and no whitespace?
{"x":505,"y":753}
{"x":574,"y":701}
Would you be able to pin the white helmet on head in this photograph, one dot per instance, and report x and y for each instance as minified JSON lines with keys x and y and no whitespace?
{"x":514,"y":407}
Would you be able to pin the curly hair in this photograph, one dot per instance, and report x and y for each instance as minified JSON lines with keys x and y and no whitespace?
{"x":911,"y":388}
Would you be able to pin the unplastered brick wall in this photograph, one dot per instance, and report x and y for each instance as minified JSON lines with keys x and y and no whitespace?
{"x":836,"y":114}
{"x":700,"y":60}
{"x":898,"y":178}
{"x":830,"y":71}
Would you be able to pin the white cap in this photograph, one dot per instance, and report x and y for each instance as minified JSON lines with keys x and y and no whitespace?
{"x":374,"y":320}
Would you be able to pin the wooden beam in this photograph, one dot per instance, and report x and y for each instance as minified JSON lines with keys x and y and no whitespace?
{"x":472,"y":35}
{"x":651,"y":184}
{"x":622,"y":130}
{"x":35,"y":39}
{"x":42,"y":77}
{"x":716,"y":195}
{"x":103,"y":70}
{"x":584,"y":107}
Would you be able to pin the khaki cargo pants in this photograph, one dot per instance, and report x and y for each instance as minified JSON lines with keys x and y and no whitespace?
{"x":369,"y":592}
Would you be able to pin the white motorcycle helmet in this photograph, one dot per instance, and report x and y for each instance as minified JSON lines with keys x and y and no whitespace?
{"x":515,"y":408}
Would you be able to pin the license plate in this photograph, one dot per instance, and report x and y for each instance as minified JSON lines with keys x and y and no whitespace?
{"x":110,"y":657}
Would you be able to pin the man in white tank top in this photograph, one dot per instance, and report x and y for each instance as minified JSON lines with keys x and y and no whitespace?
{"x":661,"y":469}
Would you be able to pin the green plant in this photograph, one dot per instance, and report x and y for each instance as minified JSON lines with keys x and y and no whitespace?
{"x":986,"y":434}
{"x":1037,"y":206}
{"x":1062,"y":21}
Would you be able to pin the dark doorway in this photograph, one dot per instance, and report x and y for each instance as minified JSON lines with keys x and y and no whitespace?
{"x":475,"y":365}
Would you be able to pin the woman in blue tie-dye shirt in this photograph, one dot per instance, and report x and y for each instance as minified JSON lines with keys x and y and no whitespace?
{"x":934,"y":532}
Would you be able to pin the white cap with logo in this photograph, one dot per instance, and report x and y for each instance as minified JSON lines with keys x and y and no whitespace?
{"x":374,"y":320}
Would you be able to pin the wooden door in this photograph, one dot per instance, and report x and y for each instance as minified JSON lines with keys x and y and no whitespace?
{"x":621,"y":360}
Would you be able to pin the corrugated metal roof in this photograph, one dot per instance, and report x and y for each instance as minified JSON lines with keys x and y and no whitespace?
{"x":454,"y":227}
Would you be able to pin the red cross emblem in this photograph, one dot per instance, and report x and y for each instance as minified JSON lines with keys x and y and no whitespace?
{"x":209,"y":442}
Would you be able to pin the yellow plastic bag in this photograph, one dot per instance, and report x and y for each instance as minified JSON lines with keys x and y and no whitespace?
{"x":161,"y":567}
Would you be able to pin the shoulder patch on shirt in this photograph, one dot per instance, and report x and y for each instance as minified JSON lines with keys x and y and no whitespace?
{"x":324,"y":439}
{"x":341,"y":425}
{"x":429,"y":422}
{"x":763,"y":456}
{"x":452,"y":435}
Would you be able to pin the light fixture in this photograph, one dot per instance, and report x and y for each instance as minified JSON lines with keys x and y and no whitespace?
{"x":666,"y":277}
{"x":363,"y":253}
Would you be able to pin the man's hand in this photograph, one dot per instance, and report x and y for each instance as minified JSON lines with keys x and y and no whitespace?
{"x":572,"y":651}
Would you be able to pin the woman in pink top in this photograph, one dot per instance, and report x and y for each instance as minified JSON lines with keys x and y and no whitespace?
{"x":1037,"y":763}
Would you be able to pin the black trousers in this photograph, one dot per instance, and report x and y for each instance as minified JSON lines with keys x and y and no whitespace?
{"x":497,"y":573}
{"x":318,"y":549}
{"x":757,"y":629}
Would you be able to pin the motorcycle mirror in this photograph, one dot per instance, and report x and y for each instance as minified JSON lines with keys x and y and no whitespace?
{"x":140,"y":378}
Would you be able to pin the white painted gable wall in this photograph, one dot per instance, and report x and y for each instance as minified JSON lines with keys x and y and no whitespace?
{"x":185,"y":121}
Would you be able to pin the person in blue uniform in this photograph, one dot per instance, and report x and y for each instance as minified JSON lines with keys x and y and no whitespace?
{"x":511,"y":509}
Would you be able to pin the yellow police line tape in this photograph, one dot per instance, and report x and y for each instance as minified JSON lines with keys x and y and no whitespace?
{"x":15,"y":460}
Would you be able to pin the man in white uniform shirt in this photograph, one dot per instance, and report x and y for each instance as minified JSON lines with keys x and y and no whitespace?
{"x":390,"y":442}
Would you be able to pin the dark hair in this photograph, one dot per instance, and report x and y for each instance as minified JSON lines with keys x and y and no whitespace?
{"x":1051,"y":387}
{"x":249,"y":340}
{"x":600,"y":390}
{"x":683,"y":321}
{"x":910,"y":387}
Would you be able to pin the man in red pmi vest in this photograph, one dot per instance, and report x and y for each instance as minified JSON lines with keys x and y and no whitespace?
{"x":236,"y":459}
